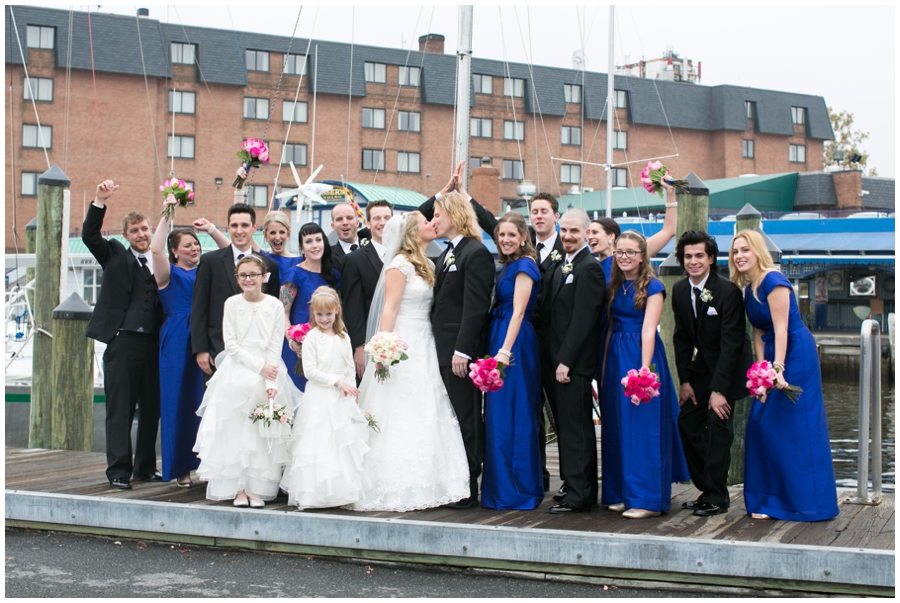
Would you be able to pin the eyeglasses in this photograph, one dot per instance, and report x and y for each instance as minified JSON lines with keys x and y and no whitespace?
{"x":249,"y":276}
{"x":626,"y":253}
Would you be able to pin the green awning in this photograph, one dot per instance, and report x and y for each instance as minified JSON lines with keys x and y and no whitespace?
{"x":77,"y":246}
{"x":399,"y":197}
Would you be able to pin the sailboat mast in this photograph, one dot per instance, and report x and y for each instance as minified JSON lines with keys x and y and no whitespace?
{"x":610,"y":110}
{"x":463,"y":83}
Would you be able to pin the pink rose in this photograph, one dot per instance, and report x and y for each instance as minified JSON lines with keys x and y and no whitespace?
{"x":283,"y":419}
{"x":654,"y":165}
{"x":256,"y":412}
{"x":161,"y":188}
{"x":490,"y":363}
{"x":646,"y":172}
{"x":494,"y":374}
{"x":191,"y":195}
{"x":264,"y":155}
{"x":635,"y":400}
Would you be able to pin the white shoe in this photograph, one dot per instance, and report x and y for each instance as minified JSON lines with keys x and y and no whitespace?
{"x":617,"y":508}
{"x":256,"y":503}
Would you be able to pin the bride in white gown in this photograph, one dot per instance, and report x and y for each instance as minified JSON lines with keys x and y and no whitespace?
{"x":417,"y":460}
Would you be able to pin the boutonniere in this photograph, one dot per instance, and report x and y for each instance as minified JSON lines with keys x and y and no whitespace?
{"x":363,"y":242}
{"x":567,"y":268}
{"x":554,"y":256}
{"x":706,"y":296}
{"x":450,"y":259}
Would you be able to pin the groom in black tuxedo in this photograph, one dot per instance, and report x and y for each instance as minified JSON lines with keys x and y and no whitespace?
{"x":712,"y":353}
{"x":571,"y":302}
{"x":464,"y":278}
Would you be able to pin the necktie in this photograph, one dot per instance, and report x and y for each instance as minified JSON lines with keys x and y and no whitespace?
{"x":143,"y":261}
{"x":446,"y":251}
{"x":239,"y":258}
{"x":354,"y":247}
{"x":697,"y":302}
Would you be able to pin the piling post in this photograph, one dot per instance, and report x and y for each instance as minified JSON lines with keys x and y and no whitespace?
{"x":48,"y":260}
{"x":73,"y":377}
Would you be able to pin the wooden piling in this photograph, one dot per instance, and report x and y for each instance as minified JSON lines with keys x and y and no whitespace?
{"x":73,"y":377}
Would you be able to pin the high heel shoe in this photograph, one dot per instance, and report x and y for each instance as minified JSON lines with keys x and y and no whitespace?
{"x":640,"y":514}
{"x":617,"y":508}
{"x":184,"y":481}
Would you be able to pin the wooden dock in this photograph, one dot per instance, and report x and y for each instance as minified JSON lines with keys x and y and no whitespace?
{"x":851,"y":554}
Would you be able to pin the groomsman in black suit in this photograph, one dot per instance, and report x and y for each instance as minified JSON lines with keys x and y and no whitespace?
{"x":345,"y":224}
{"x":572,"y":300}
{"x":464,"y":278}
{"x":360,"y":278}
{"x":216,"y":282}
{"x":712,"y":353}
{"x":126,"y":318}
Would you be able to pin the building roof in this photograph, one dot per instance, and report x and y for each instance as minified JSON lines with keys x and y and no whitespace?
{"x":220,"y":55}
{"x":816,"y":189}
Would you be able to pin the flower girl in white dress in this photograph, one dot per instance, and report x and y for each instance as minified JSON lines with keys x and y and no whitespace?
{"x":330,"y":432}
{"x":239,"y":458}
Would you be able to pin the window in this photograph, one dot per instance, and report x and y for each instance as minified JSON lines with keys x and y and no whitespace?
{"x":256,"y":108}
{"x":513,"y":130}
{"x":182,"y":102}
{"x":373,"y":118}
{"x":258,"y":195}
{"x":620,"y":98}
{"x":181,"y":146}
{"x":570,"y":174}
{"x":750,"y":107}
{"x":29,"y":184}
{"x":513,"y":170}
{"x":296,"y":112}
{"x":372,"y":160}
{"x":295,"y":153}
{"x":257,"y":60}
{"x":40,"y":89}
{"x":32,"y":139}
{"x":409,"y":76}
{"x":483,"y":84}
{"x":798,"y":116}
{"x":376,"y":72}
{"x":184,"y":54}
{"x":409,"y":121}
{"x":513,"y":87}
{"x":40,"y":37}
{"x":474,"y":162}
{"x":295,"y":64}
{"x":620,"y":177}
{"x":570,"y":135}
{"x":408,"y":162}
{"x":797,"y":153}
{"x":480,"y":127}
{"x":92,"y":278}
{"x":572,"y":93}
{"x":620,"y":139}
{"x":747,"y":149}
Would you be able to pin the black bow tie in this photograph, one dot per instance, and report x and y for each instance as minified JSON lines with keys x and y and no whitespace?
{"x":354,"y":247}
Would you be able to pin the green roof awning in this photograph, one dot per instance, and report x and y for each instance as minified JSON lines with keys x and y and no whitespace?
{"x":77,"y":246}
{"x":401,"y":197}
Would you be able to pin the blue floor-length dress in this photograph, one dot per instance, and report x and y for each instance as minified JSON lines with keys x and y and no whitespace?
{"x":180,"y":379}
{"x":306,"y":283}
{"x":512,"y":477}
{"x":610,"y":468}
{"x":788,"y":470}
{"x":648,"y":453}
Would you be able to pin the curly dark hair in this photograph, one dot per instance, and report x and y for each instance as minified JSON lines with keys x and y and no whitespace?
{"x":697,"y":237}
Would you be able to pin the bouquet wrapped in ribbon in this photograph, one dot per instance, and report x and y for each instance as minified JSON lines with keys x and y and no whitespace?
{"x":182,"y":192}
{"x":386,"y":349}
{"x":641,"y":385}
{"x":655,"y":171}
{"x":761,"y":379}
{"x":296,"y":334}
{"x":253,"y":153}
{"x":487,"y":374}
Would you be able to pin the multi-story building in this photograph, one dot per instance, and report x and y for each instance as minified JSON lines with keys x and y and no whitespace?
{"x":132,"y":98}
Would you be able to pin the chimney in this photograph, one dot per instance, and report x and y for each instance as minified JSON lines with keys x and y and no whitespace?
{"x":847,"y":189}
{"x":484,"y":185}
{"x":143,"y":12}
{"x":433,"y":43}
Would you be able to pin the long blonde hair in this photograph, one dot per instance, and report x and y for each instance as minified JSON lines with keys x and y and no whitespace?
{"x":757,"y":245}
{"x":325,"y":299}
{"x":462,"y":215}
{"x":411,"y":248}
{"x":644,"y":274}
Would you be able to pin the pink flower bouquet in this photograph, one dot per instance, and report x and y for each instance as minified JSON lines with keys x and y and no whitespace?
{"x":761,"y":379}
{"x":487,"y":374}
{"x":269,"y":412}
{"x":641,"y":385}
{"x":253,"y":153}
{"x":182,"y":191}
{"x":386,"y":349}
{"x":296,"y":334}
{"x":655,"y":171}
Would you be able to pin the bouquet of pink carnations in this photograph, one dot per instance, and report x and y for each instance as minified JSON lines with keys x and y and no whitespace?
{"x":386,"y":349}
{"x":641,"y":385}
{"x":761,"y":379}
{"x":182,"y":191}
{"x":487,"y":374}
{"x":655,"y":171}
{"x":296,"y":334}
{"x":269,"y":412}
{"x":253,"y":153}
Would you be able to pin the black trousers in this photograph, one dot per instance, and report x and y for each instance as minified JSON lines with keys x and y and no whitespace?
{"x":548,"y":379}
{"x":131,"y":369}
{"x":706,"y":440}
{"x":466,"y":400}
{"x":577,"y":439}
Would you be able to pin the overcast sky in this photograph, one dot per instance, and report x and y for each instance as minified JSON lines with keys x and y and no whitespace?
{"x":844,"y":53}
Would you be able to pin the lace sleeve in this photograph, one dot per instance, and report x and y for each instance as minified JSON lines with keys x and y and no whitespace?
{"x":402,"y":264}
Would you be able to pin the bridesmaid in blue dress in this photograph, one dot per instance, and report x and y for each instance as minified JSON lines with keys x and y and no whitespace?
{"x":513,"y":477}
{"x":316,"y":270}
{"x":649,"y":455}
{"x":277,"y":232}
{"x":181,"y":382}
{"x":788,"y":470}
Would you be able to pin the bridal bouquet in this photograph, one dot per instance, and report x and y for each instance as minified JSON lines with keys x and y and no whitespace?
{"x":655,"y":171}
{"x":761,"y":379}
{"x":641,"y":385}
{"x":487,"y":374}
{"x":253,"y":153}
{"x":267,"y":412}
{"x":386,"y":349}
{"x":296,"y":334}
{"x":182,"y":192}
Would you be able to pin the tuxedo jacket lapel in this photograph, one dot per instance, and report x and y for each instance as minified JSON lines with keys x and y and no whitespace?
{"x":228,"y":266}
{"x":372,"y":254}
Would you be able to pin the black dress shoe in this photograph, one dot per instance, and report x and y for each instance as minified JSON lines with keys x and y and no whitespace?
{"x":708,"y":509}
{"x":156,"y":476}
{"x":120,"y":483}
{"x":563,"y":508}
{"x":692,"y":504}
{"x":466,"y":503}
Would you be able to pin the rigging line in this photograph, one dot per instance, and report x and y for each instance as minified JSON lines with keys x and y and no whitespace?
{"x":96,"y":103}
{"x":510,"y":99}
{"x":31,"y":90}
{"x":68,"y":89}
{"x":159,"y":171}
{"x":350,"y":92}
{"x":582,"y":22}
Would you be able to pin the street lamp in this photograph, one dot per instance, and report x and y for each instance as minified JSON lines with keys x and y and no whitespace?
{"x":218,"y":182}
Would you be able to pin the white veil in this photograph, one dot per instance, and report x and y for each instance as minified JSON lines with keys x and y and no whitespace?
{"x":391,"y":239}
